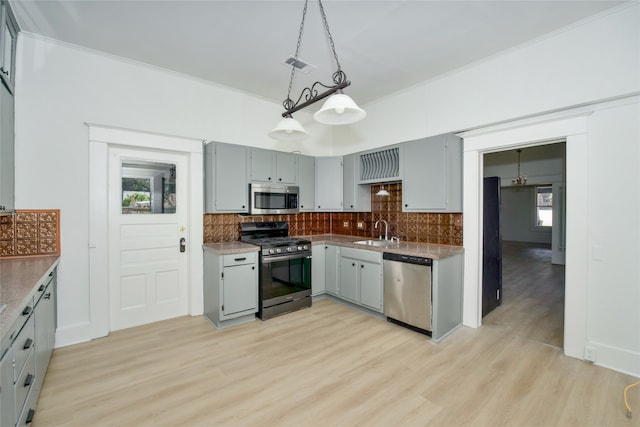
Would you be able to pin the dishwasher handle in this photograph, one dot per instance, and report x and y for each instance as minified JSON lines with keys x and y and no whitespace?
{"x":409,"y":259}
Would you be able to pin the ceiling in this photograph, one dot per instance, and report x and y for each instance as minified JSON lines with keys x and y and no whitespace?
{"x":384,"y":46}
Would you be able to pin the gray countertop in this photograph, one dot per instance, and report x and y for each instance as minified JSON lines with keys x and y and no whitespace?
{"x":230,"y":247}
{"x":18,"y":280}
{"x":426,"y":250}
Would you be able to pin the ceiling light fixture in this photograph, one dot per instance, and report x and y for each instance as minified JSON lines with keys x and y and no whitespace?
{"x":382,"y":192}
{"x":520,"y":180}
{"x":339,"y":109}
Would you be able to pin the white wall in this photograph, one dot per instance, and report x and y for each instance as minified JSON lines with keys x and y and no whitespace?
{"x":60,"y":88}
{"x":542,"y":164}
{"x":596,"y":60}
{"x":591,"y":62}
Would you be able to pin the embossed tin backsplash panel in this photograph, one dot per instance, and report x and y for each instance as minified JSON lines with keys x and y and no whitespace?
{"x":30,"y":233}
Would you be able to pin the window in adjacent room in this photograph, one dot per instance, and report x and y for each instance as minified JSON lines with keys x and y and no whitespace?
{"x":544,"y":206}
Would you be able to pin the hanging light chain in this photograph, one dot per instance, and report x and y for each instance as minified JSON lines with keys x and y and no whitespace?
{"x":326,"y":27}
{"x":288,"y":103}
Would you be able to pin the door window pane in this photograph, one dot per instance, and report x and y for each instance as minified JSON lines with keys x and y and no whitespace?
{"x":148,"y":187}
{"x":544,"y":206}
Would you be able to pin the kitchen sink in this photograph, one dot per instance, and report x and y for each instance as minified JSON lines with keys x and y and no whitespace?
{"x":378,"y":243}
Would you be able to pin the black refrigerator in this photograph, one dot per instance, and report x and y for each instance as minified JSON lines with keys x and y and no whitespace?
{"x":491,"y":246}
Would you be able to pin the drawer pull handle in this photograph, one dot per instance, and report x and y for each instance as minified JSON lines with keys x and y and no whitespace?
{"x":28,"y":380}
{"x":41,"y":288}
{"x":47,"y":295}
{"x":27,"y":344}
{"x":30,"y":415}
{"x":240,"y":259}
{"x":26,"y":311}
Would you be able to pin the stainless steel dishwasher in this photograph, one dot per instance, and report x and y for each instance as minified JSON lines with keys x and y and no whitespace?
{"x":407,"y":291}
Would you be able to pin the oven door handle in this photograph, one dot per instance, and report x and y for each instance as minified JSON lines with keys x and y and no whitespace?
{"x":267,"y":260}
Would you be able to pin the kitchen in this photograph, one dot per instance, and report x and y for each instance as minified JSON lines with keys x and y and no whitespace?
{"x":175,"y":105}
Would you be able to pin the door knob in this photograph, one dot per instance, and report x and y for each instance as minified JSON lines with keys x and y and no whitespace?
{"x":183,"y":244}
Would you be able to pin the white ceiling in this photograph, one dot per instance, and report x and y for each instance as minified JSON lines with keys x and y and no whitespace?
{"x":384,"y":46}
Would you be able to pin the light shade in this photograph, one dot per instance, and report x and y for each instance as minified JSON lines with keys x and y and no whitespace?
{"x":288,"y":129}
{"x":382,"y":192}
{"x":339,"y":109}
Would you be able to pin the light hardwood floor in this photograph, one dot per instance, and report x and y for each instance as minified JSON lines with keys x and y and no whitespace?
{"x":328,"y":365}
{"x":533,"y":294}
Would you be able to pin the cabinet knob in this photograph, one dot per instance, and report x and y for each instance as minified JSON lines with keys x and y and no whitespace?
{"x":351,"y":205}
{"x":406,"y":205}
{"x":269,"y":179}
{"x":361,"y":265}
{"x":302,"y":206}
{"x":243,"y":206}
{"x":279,"y":179}
{"x":353,"y":264}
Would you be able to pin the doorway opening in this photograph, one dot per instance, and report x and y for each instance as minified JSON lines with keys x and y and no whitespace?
{"x":527,"y":264}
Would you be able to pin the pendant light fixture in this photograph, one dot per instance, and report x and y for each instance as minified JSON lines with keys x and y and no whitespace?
{"x":382,"y":192}
{"x":338,"y":109}
{"x":520,"y":180}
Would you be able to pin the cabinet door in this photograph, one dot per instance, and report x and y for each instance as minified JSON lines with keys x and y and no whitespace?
{"x":8,"y":39}
{"x":231,"y":189}
{"x":425,"y":179}
{"x":329,"y":183}
{"x":331,"y":278}
{"x":317,"y":269}
{"x":45,"y":332}
{"x":263,"y":165}
{"x":306,"y":183}
{"x":286,"y":168}
{"x":371,"y":285}
{"x":349,"y":279}
{"x":7,"y":394}
{"x":240,"y":290}
{"x":7,"y":168}
{"x":355,"y":197}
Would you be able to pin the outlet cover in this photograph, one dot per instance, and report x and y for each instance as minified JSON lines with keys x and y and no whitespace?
{"x":360,"y":225}
{"x":590,"y":354}
{"x":345,"y":224}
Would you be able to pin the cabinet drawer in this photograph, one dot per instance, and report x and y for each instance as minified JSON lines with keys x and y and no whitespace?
{"x":42,"y":287}
{"x":240,"y":259}
{"x":362,"y":255}
{"x":24,"y":382}
{"x":23,"y":345}
{"x":13,"y":330}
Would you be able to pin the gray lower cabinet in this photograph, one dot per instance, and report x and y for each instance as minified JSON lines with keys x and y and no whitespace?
{"x":446,"y":295}
{"x":306,"y":183}
{"x":226,"y":178}
{"x":432,"y":174}
{"x":230,"y":287}
{"x":331,"y":270}
{"x":45,"y":326}
{"x":318,"y":267}
{"x":361,"y":277}
{"x":329,"y":183}
{"x":7,"y":394}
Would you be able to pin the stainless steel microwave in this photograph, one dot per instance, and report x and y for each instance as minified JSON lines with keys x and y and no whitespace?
{"x":267,"y":199}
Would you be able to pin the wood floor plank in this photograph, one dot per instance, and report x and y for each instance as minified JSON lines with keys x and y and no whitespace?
{"x":328,"y":365}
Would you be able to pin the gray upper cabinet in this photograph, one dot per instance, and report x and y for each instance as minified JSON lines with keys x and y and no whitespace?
{"x":273,"y":166}
{"x":432,"y":174}
{"x":8,"y":41}
{"x":355,"y":197}
{"x":329,"y":183}
{"x":226,"y":185}
{"x":7,"y":168}
{"x":307,"y":183}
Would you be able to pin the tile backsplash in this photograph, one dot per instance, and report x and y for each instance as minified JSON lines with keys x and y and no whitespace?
{"x":30,"y":232}
{"x":437,"y":228}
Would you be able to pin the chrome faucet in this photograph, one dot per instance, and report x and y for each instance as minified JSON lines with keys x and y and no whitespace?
{"x":386,"y":228}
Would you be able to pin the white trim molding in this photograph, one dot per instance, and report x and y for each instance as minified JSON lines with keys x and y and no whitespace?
{"x":572,"y":128}
{"x":100,"y":138}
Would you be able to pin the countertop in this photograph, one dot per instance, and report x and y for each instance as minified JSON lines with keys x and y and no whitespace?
{"x":426,"y":250}
{"x":230,"y":247}
{"x":18,"y":279}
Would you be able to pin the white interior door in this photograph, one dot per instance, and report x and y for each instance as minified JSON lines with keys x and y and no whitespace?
{"x":148,"y":214}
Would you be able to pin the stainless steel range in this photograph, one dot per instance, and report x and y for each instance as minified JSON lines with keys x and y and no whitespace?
{"x":285,"y":267}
